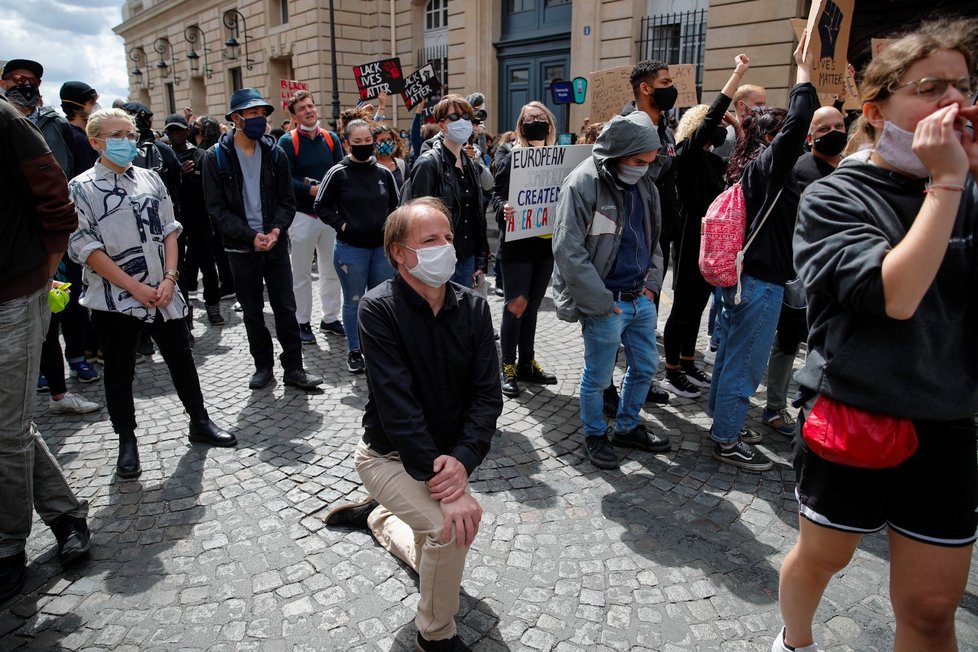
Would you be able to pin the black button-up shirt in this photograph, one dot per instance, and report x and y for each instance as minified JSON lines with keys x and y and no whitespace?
{"x":433,"y":380}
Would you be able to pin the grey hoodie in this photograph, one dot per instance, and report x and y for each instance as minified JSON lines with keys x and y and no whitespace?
{"x":589,"y":221}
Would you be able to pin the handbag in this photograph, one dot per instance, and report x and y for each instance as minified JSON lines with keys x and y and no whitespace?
{"x":847,"y":435}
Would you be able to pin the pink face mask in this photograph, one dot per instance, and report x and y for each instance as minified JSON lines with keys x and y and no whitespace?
{"x":895,"y":147}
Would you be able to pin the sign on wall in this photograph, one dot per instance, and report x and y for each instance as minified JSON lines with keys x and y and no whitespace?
{"x":422,"y":84}
{"x":288,"y":88}
{"x":378,"y":77}
{"x":536,"y":174}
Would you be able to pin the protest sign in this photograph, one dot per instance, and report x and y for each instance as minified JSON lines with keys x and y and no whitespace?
{"x":610,"y":91}
{"x":852,"y":102}
{"x":879,"y":44}
{"x":288,"y":88}
{"x":420,"y":85}
{"x":379,"y":77}
{"x":536,"y":174}
{"x":684,"y":78}
{"x":828,"y":40}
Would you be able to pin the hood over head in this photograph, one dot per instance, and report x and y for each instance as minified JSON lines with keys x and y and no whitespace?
{"x":626,"y":136}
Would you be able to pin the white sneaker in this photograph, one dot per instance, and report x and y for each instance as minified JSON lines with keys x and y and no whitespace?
{"x":779,"y":646}
{"x":72,"y":404}
{"x":710,"y":356}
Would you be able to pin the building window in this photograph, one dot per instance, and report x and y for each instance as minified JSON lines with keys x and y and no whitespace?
{"x":436,"y":14}
{"x":519,"y":6}
{"x":234,"y":79}
{"x":284,"y":10}
{"x":555,"y":3}
{"x":278,"y":12}
{"x":676,"y":38}
{"x":171,"y":100}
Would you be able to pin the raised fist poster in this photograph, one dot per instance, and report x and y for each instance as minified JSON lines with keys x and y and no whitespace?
{"x":828,"y":41}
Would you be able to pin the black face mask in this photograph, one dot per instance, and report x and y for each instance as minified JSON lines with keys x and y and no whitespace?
{"x":719,"y":137}
{"x":362,"y":152}
{"x":26,"y":95}
{"x":536,"y":130}
{"x":831,"y":144}
{"x":665,"y":98}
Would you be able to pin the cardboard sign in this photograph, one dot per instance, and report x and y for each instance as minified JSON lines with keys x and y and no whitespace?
{"x":379,"y":77}
{"x":880,"y":44}
{"x":288,"y":88}
{"x":828,"y":99}
{"x":562,"y":91}
{"x":422,"y":84}
{"x":536,"y":174}
{"x":610,"y":92}
{"x":828,"y":42}
{"x":684,"y":78}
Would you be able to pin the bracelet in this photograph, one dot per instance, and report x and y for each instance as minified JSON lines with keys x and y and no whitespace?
{"x":169,"y":278}
{"x":940,"y":186}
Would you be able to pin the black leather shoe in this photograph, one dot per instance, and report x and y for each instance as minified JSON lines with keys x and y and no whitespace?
{"x":73,"y":536}
{"x":534,"y":373}
{"x":352,"y":514}
{"x":13,"y":570}
{"x":300,"y":378}
{"x":261,"y":378}
{"x":600,"y":452}
{"x":208,"y":432}
{"x":510,"y":387}
{"x":639,"y":437}
{"x":657,"y":395}
{"x":453,"y":644}
{"x":127,"y":466}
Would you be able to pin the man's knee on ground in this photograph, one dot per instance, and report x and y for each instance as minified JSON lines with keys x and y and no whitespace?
{"x":517,"y":306}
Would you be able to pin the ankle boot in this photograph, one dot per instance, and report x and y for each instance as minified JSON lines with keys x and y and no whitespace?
{"x":128,"y":465}
{"x":206,"y":431}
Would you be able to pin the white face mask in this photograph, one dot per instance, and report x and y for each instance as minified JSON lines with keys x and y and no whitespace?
{"x":459,"y":131}
{"x":895,"y":146}
{"x":435,"y":264}
{"x":312,"y":130}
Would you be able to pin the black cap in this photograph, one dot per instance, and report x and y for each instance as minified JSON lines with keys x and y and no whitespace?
{"x":175,"y":120}
{"x":23,"y":64}
{"x":77,"y":92}
{"x":135,"y":108}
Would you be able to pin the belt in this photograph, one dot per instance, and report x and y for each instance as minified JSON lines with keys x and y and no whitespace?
{"x":626,"y":296}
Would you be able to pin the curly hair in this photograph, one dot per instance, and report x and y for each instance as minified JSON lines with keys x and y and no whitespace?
{"x":690,"y":122}
{"x":760,"y":123}
{"x":365,"y":113}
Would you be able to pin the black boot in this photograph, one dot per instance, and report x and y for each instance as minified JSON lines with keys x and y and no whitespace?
{"x":128,"y":465}
{"x":206,"y":431}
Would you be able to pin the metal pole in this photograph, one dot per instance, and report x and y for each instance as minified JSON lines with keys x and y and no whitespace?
{"x":336,"y":80}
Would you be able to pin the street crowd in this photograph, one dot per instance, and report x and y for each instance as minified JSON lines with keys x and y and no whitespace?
{"x":857,"y":236}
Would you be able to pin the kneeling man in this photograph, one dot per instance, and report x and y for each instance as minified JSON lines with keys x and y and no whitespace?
{"x":434,"y":397}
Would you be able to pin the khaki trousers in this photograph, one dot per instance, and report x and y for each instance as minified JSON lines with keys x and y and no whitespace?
{"x":409,"y":524}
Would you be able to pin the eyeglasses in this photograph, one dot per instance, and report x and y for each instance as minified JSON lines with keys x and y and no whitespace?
{"x":933,"y":88}
{"x":534,"y":118}
{"x":454,"y":117}
{"x":21,"y":79}
{"x":129,"y":135}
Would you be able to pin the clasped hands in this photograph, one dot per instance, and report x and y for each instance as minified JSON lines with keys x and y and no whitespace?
{"x":461,"y":511}
{"x":265,"y":241}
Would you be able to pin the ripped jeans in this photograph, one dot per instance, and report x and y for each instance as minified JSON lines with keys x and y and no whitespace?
{"x":359,"y":269}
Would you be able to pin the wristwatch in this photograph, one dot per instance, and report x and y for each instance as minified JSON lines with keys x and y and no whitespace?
{"x":172,"y":274}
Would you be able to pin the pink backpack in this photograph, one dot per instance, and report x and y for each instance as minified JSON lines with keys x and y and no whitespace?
{"x":722,"y":233}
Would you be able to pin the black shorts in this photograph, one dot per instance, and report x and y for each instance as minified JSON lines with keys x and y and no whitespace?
{"x":932,"y":497}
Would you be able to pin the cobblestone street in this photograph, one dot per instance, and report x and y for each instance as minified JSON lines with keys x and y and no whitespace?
{"x":224,"y":549}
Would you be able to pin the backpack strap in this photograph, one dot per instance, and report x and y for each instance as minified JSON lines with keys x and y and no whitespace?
{"x":739,"y":262}
{"x":295,"y":141}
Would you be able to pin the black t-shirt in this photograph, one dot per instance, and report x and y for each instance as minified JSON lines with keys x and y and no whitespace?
{"x":468,"y":216}
{"x":809,"y":169}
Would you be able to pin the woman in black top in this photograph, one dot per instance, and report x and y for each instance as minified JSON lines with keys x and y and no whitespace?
{"x":526,"y":264}
{"x":699,"y":179}
{"x":355,"y":198}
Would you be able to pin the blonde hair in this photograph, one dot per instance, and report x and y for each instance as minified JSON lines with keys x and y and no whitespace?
{"x":551,"y":139}
{"x":94,"y":127}
{"x":690,"y":122}
{"x":886,"y":69}
{"x":399,"y":222}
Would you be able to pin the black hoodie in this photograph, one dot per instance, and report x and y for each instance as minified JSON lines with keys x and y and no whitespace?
{"x":355,"y":198}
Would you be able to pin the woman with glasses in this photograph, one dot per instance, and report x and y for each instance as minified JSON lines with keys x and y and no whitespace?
{"x":886,"y":248}
{"x":527,"y":264}
{"x":355,"y":198}
{"x":390,"y":153}
{"x":446,"y":172}
{"x":126,"y":242}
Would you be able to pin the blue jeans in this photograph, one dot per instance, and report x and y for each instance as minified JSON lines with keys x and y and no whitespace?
{"x":30,"y":478}
{"x":635,"y":328}
{"x":464,"y":269}
{"x":746,"y":333}
{"x":359,"y":269}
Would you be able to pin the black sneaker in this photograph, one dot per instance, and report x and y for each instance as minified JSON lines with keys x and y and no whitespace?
{"x":214,"y":314}
{"x":696,"y":377}
{"x":743,"y":455}
{"x":332,"y":328}
{"x":657,"y":395}
{"x":351,"y":514}
{"x":453,"y":644}
{"x":73,"y":536}
{"x":600,"y":452}
{"x":13,"y":571}
{"x":354,"y":362}
{"x":639,"y":437}
{"x":306,"y":334}
{"x":677,"y":383}
{"x":750,"y":436}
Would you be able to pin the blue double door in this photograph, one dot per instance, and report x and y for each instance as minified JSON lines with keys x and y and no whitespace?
{"x":527,"y":77}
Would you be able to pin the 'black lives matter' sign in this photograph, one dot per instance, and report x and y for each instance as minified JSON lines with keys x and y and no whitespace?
{"x":379,"y":77}
{"x":420,"y":85}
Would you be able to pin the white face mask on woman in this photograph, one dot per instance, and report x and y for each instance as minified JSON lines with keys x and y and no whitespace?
{"x":435,"y":264}
{"x":895,"y":146}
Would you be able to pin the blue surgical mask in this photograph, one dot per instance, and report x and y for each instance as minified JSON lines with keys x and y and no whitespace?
{"x":120,"y":151}
{"x":459,"y":131}
{"x":254,"y":128}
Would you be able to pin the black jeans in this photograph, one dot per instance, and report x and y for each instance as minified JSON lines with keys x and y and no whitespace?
{"x":690,"y":296}
{"x":224,"y":274}
{"x":523,"y":279}
{"x":52,"y":362}
{"x":198,"y":235}
{"x":253,"y":272}
{"x":118,"y":334}
{"x":76,"y":326}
